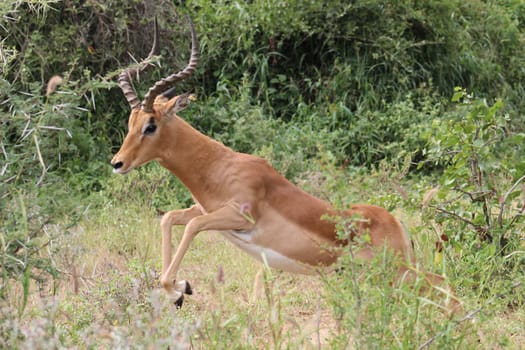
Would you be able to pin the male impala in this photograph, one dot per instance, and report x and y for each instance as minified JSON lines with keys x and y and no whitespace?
{"x":237,"y":194}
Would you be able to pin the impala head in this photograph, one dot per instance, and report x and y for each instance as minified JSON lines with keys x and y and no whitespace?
{"x":147,"y":124}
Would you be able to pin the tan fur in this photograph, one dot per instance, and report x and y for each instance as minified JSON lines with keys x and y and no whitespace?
{"x":239,"y":194}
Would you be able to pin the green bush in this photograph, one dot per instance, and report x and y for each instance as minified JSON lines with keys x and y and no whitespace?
{"x":360,"y":70}
{"x":477,"y":207}
{"x":483,"y":170}
{"x":43,"y":143}
{"x":350,"y":66}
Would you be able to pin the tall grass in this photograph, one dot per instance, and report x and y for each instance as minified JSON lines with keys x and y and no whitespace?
{"x":109,"y":296}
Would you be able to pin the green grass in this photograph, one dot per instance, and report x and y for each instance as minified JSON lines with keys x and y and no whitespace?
{"x":108,"y":295}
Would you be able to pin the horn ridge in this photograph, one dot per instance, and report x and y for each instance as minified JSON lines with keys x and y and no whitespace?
{"x":165,"y":83}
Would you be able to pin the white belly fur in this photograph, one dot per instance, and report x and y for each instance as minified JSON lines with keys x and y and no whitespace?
{"x":244,"y":240}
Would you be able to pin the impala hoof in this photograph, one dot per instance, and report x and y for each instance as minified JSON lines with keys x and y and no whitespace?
{"x":178,"y":302}
{"x":187,"y":289}
{"x":183,"y":287}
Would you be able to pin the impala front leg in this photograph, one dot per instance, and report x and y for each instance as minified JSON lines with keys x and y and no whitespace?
{"x":226,"y":218}
{"x":174,"y":217}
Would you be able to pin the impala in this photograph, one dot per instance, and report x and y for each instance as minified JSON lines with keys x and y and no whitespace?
{"x":240,"y":195}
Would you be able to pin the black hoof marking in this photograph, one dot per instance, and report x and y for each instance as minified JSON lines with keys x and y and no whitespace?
{"x":188,"y":289}
{"x":178,"y":302}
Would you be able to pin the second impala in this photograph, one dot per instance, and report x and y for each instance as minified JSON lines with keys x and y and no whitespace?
{"x":240,"y":195}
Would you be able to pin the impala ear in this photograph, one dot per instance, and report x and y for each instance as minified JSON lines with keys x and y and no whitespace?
{"x":181,"y":102}
{"x":169,"y":107}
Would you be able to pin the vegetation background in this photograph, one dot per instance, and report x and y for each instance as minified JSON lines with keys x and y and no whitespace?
{"x":416,"y":106}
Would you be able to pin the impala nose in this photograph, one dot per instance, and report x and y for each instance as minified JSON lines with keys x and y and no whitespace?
{"x":117,"y":165}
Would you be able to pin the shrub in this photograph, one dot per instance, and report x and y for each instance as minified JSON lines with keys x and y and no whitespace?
{"x":477,"y":207}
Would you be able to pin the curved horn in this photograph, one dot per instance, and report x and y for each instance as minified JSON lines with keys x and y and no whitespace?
{"x":124,"y":79}
{"x":165,"y":83}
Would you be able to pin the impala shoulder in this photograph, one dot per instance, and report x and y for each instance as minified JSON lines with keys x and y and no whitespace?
{"x":255,"y":168}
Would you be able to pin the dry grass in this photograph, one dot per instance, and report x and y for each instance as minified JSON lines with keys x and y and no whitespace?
{"x":110,"y":267}
{"x":109,"y":297}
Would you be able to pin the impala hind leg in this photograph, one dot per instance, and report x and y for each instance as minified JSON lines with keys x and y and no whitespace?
{"x":436,"y":287}
{"x":226,"y":218}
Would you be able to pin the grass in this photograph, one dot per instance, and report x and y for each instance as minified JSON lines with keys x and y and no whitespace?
{"x":108,"y":296}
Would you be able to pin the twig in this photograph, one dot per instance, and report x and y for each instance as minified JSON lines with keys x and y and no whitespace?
{"x":504,"y":199}
{"x":357,"y":296}
{"x":454,"y":215}
{"x":478,"y":176}
{"x":474,"y":196}
{"x":520,"y":213}
{"x":3,"y":150}
{"x":318,"y":325}
{"x":41,"y":160}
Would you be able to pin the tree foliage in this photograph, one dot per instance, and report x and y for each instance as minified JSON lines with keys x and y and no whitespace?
{"x":363,"y":80}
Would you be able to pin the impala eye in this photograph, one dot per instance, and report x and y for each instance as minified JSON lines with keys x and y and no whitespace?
{"x":149,"y":129}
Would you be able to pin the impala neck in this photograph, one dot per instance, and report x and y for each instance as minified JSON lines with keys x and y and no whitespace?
{"x":191,"y":156}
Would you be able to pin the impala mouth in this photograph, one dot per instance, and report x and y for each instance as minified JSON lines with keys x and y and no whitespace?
{"x":121,"y":171}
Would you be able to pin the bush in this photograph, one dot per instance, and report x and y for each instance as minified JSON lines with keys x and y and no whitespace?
{"x":477,"y":207}
{"x":483,"y":176}
{"x":350,"y":66}
{"x":45,"y":141}
{"x":355,"y":68}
